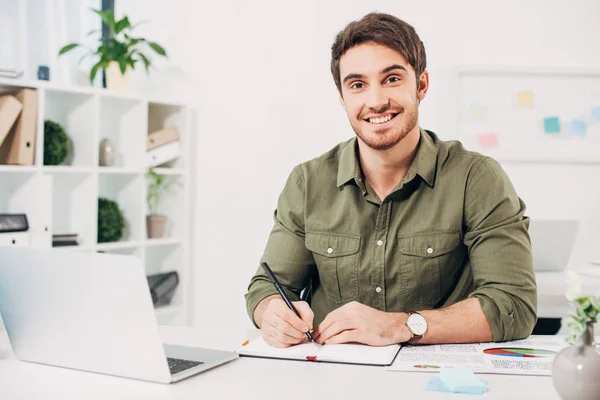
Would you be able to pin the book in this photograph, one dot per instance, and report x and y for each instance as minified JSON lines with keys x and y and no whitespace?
{"x":159,"y":138}
{"x":346,"y":353}
{"x":163,"y":154}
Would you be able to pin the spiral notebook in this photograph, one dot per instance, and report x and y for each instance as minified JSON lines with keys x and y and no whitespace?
{"x":332,"y":353}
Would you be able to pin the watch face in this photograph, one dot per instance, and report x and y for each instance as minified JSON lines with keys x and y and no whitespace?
{"x":417,"y":324}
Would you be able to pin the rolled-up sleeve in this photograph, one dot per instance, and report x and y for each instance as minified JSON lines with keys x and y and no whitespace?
{"x":500,"y":252}
{"x":285,"y":252}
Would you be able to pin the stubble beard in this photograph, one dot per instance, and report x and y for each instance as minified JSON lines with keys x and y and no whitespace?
{"x":385,"y":139}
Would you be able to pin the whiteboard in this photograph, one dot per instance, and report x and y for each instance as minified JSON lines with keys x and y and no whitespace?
{"x":529,"y":115}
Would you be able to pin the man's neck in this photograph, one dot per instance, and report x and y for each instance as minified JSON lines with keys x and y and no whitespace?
{"x":385,"y":169}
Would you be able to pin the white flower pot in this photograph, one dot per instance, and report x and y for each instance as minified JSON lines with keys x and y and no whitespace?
{"x":115,"y":80}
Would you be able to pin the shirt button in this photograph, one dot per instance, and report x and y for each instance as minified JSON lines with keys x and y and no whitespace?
{"x":429,"y":250}
{"x":379,"y":242}
{"x":378,"y":289}
{"x":330,"y":250}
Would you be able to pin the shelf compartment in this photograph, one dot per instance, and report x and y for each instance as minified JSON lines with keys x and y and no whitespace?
{"x":127,"y":191}
{"x":77,"y":113}
{"x":122,"y":121}
{"x":162,"y":116}
{"x":74,"y":206}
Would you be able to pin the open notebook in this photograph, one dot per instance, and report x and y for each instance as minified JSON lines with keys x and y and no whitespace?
{"x":334,"y":353}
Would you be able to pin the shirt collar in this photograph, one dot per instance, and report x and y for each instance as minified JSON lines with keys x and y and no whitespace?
{"x":424,"y":163}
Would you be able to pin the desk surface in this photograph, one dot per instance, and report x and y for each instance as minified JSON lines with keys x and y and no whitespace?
{"x":245,"y":378}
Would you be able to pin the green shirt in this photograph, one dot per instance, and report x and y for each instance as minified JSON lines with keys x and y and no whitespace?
{"x":453,"y":228}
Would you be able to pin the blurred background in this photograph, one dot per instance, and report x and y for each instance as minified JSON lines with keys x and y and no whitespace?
{"x":245,"y":91}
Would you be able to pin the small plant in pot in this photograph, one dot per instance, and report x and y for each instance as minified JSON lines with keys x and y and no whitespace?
{"x":158,"y":186}
{"x":118,"y":53}
{"x":575,"y":370}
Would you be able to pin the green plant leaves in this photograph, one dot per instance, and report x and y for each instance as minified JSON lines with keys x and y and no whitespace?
{"x":56,"y":143}
{"x":157,"y":48}
{"x":110,"y":221}
{"x":122,"y":24}
{"x":120,"y":46}
{"x":67,"y":48}
{"x":158,"y":185}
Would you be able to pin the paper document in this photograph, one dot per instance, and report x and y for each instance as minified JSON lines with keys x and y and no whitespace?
{"x":335,"y":353}
{"x":532,"y":356}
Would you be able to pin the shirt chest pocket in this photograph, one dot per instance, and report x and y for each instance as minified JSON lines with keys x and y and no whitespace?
{"x":429,"y":263}
{"x":336,"y":256}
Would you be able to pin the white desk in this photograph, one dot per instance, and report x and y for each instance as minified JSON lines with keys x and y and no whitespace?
{"x":246,"y":378}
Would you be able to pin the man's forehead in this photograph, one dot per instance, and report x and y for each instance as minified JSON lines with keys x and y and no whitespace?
{"x":370,"y":58}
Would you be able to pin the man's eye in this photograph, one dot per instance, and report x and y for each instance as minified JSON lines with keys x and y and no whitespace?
{"x":356,"y":86}
{"x":393,"y":79}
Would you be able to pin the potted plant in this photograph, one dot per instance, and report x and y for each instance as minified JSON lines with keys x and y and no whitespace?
{"x":575,"y":369}
{"x":158,"y":185}
{"x":111,"y":221}
{"x":118,"y":53}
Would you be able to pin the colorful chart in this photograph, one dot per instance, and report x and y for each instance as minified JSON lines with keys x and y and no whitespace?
{"x":519,"y":352}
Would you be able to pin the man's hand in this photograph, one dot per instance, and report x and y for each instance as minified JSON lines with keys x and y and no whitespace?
{"x":281,"y":327}
{"x":356,"y":322}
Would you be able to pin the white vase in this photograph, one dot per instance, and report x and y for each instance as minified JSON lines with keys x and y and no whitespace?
{"x":115,"y":80}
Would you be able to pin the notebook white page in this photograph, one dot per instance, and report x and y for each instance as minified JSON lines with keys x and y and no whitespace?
{"x":341,"y":353}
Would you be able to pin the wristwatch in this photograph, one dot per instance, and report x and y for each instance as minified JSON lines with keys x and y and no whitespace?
{"x":417,"y":325}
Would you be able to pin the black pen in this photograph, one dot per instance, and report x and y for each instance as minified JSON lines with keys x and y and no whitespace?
{"x":271,"y":276}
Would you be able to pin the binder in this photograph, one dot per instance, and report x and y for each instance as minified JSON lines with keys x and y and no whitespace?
{"x":162,"y":287}
{"x":13,"y":223}
{"x":19,"y":145}
{"x":10,"y":108}
{"x":16,"y":239}
{"x":163,"y":154}
{"x":161,"y":137}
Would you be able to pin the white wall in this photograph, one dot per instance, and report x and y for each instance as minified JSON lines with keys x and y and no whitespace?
{"x":259,"y":74}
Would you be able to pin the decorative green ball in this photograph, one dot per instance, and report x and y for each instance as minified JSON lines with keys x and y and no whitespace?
{"x":110,"y":221}
{"x":56,"y":143}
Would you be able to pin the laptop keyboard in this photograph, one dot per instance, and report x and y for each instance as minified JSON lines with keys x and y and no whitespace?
{"x":177,"y":365}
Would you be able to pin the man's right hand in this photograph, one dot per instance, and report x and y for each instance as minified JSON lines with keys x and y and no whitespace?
{"x":280,"y":326}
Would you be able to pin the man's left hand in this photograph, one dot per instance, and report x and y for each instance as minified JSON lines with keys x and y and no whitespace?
{"x":356,"y":322}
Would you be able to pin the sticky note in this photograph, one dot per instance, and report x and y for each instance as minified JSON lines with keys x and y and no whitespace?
{"x":462,"y":381}
{"x":487,"y":139}
{"x":551,"y":125}
{"x":476,"y":111}
{"x":525,"y":98}
{"x":436,"y":385}
{"x":596,"y":113}
{"x":577,"y":127}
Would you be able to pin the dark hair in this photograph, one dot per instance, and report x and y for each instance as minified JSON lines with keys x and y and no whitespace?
{"x":384,"y":29}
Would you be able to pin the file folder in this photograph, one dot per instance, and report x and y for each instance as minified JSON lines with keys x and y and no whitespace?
{"x":19,"y":145}
{"x":10,"y":108}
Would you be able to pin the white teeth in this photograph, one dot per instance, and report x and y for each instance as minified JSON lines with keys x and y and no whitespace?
{"x":380,"y":120}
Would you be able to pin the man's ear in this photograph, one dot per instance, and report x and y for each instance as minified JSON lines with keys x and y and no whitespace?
{"x":423,"y":85}
{"x":342,"y":100}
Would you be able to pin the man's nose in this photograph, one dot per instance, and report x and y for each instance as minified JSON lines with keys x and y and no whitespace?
{"x":378,"y":101}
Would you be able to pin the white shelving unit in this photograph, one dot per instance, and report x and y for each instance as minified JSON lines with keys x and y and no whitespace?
{"x":64,"y":199}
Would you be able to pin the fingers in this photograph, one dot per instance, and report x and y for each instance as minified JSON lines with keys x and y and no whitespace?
{"x":344,"y":337}
{"x":334,"y":329}
{"x":305,"y":312}
{"x":285,"y":313}
{"x":282,"y":327}
{"x":323,"y":326}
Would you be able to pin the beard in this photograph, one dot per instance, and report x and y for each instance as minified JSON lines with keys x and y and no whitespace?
{"x":384,"y":139}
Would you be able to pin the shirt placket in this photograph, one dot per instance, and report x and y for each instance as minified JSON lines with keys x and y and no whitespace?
{"x":379,"y":243}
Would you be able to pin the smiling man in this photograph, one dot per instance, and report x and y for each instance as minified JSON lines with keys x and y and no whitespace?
{"x":402,"y":237}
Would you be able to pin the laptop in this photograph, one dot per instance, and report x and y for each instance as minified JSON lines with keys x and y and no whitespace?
{"x":552,"y":243}
{"x":91,"y":312}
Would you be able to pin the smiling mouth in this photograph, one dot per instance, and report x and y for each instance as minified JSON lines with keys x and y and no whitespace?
{"x":380,"y":120}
